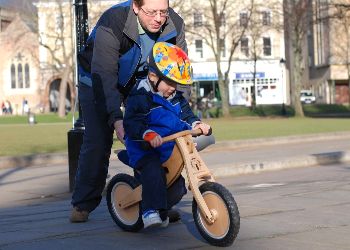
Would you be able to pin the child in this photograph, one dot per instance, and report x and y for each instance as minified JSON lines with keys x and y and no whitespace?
{"x":155,"y":110}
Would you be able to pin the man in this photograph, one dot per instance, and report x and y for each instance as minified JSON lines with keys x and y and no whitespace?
{"x":111,"y":63}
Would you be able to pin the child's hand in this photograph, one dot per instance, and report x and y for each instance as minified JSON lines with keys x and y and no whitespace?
{"x":204,"y":127}
{"x":157,"y":141}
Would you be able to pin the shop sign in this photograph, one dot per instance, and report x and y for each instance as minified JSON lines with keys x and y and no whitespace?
{"x":205,"y":76}
{"x":249,"y":75}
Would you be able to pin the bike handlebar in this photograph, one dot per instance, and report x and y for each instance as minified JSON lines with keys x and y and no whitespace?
{"x":146,"y":145}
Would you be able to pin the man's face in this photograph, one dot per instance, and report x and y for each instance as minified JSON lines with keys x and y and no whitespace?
{"x":151,"y":24}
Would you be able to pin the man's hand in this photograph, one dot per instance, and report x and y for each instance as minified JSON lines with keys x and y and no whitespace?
{"x":119,"y":130}
{"x":204,"y":127}
{"x":157,"y":141}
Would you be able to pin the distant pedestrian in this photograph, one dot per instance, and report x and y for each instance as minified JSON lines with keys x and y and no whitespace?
{"x":41,"y":108}
{"x":25,"y":103}
{"x":199,"y":107}
{"x":8,"y":107}
{"x":3,"y":108}
{"x":211,"y":98}
{"x":207,"y":108}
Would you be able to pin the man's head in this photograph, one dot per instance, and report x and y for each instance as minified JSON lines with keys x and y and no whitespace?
{"x":152,"y":14}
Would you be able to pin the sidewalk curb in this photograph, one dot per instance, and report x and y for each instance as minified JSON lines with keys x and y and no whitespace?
{"x":295,"y":162}
{"x":62,"y":158}
{"x":256,"y":142}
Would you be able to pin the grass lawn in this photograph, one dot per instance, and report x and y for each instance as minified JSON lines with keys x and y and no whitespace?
{"x":276,"y":110}
{"x":238,"y":129}
{"x":216,"y":112}
{"x":39,"y":119}
{"x":52,"y":138}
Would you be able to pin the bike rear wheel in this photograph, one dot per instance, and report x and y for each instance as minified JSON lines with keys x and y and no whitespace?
{"x":129,"y":219}
{"x":222,"y":205}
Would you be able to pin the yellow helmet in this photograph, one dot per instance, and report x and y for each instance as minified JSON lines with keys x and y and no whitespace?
{"x":170,"y":62}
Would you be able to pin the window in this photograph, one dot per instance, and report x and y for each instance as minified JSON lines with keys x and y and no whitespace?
{"x":310,"y":61}
{"x":267,"y":46}
{"x":197,"y":20}
{"x":199,"y":48}
{"x":245,"y":47}
{"x":266,"y":18}
{"x":222,"y":19}
{"x":4,"y":25}
{"x":223,"y":47}
{"x":320,"y":90}
{"x":20,"y":76}
{"x":26,"y":76}
{"x":59,"y":50}
{"x":243,"y":19}
{"x":13,"y":76}
{"x":59,"y":23}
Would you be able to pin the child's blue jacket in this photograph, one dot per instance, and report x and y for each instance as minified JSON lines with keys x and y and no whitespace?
{"x":146,"y":112}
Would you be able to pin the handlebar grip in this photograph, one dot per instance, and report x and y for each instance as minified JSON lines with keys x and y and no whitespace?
{"x":210,"y":131}
{"x":146,"y":146}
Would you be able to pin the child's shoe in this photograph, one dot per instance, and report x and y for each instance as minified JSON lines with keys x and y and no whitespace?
{"x":151,"y":218}
{"x":165,"y":223}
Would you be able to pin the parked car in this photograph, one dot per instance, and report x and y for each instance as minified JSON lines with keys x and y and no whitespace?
{"x":306,"y":96}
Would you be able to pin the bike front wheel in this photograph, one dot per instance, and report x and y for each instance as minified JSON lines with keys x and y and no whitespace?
{"x":220,"y":202}
{"x":129,"y":219}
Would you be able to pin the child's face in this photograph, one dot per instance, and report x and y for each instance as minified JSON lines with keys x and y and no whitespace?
{"x":166,"y":87}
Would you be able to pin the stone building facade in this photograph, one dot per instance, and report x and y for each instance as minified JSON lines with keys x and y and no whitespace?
{"x":19,"y":67}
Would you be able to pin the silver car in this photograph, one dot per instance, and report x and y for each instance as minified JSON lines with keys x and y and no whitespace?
{"x":306,"y":96}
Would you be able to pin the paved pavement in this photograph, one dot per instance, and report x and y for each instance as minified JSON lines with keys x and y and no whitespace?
{"x":35,"y":202}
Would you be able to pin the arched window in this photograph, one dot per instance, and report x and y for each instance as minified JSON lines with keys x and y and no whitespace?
{"x":13,"y":76}
{"x":20,"y":75}
{"x":26,"y":77}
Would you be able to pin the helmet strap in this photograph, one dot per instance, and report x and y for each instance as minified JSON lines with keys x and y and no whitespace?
{"x":155,"y":86}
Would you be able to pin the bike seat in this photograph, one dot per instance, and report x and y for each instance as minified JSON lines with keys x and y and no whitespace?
{"x":124,"y":157}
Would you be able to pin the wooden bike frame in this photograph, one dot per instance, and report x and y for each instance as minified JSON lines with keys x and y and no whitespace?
{"x":185,"y":155}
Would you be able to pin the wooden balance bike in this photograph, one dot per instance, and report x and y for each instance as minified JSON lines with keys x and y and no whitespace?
{"x":215,"y":211}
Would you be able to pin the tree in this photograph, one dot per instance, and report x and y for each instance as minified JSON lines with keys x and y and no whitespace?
{"x":256,"y":30}
{"x":53,"y":26}
{"x":56,"y":35}
{"x":220,"y":28}
{"x":298,"y":19}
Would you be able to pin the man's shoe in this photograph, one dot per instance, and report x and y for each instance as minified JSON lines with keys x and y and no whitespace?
{"x":151,"y":219}
{"x":174,"y":215}
{"x":165,"y":223}
{"x":78,"y":215}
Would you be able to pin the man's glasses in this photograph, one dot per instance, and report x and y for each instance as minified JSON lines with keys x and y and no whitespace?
{"x":163,"y":13}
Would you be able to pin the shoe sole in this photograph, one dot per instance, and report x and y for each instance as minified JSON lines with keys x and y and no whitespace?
{"x":78,"y":220}
{"x":153,"y":225}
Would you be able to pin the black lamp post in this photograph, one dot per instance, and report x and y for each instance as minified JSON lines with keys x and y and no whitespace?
{"x":282,"y":63}
{"x":75,"y":136}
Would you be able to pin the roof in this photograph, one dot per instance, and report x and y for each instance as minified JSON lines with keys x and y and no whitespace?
{"x":19,"y":5}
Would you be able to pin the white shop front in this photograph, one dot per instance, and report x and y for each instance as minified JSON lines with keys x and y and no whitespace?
{"x":205,"y":78}
{"x":269,"y":83}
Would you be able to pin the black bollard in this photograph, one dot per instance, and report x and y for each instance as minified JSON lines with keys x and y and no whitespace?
{"x":75,"y":140}
{"x":76,"y":135}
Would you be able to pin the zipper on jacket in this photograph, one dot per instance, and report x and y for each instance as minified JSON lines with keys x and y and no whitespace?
{"x":137,"y":60}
